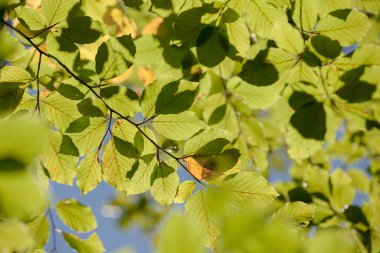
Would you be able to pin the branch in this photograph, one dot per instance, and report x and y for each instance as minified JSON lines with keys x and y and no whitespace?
{"x":108,"y":130}
{"x":38,"y":86}
{"x":91,"y":88}
{"x":44,"y":30}
{"x":54,"y":249}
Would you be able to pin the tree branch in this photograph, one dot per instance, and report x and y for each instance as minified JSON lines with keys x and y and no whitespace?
{"x":54,"y":249}
{"x":38,"y":86}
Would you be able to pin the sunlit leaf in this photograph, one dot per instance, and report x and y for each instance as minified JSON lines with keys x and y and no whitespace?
{"x":199,"y":214}
{"x":91,"y":244}
{"x":56,"y":11}
{"x":165,"y":182}
{"x":114,"y":57}
{"x":177,"y":126}
{"x":89,"y":173}
{"x":75,"y":215}
{"x":184,"y":190}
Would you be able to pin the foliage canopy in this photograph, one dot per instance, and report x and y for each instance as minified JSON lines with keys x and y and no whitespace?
{"x":195,"y":102}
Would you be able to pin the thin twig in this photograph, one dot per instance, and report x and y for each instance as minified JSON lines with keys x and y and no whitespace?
{"x":108,"y":130}
{"x":38,"y":86}
{"x":42,"y":31}
{"x":146,"y":120}
{"x":92,"y":89}
{"x":54,"y":249}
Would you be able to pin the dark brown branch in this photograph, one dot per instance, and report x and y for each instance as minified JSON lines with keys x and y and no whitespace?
{"x":38,"y":86}
{"x":42,"y":31}
{"x":108,"y":130}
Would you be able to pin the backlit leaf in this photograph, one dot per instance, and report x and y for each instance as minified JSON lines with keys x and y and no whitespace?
{"x":75,"y":215}
{"x":165,"y":182}
{"x":92,"y":244}
{"x":56,"y":11}
{"x":114,"y":57}
{"x":89,"y":173}
{"x":177,"y":126}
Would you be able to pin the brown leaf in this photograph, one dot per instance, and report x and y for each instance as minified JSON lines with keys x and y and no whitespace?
{"x":153,"y":26}
{"x":145,"y":75}
{"x":199,"y":167}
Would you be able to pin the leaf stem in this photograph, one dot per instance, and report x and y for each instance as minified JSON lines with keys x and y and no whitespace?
{"x":42,"y":31}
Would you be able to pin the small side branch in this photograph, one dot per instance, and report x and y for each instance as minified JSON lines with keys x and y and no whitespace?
{"x":38,"y":86}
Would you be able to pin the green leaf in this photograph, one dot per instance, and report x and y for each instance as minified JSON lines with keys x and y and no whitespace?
{"x":184,"y":5}
{"x":326,"y":47}
{"x":139,"y":179}
{"x":11,"y":48}
{"x":56,"y":11}
{"x":87,"y":133}
{"x":129,"y":141}
{"x":302,"y":73}
{"x":30,"y":18}
{"x":59,"y":110}
{"x":220,"y":114}
{"x":12,"y":77}
{"x":14,"y":236}
{"x":288,"y":38}
{"x":114,"y":57}
{"x":308,"y":128}
{"x":178,"y":126}
{"x":39,"y":230}
{"x":343,"y":192}
{"x":121,"y":99}
{"x":259,"y":72}
{"x":317,"y":181}
{"x":238,"y":36}
{"x":165,"y":182}
{"x":256,"y":97}
{"x":81,"y":30}
{"x":165,"y":62}
{"x":60,"y":160}
{"x":76,"y":216}
{"x":295,"y":214}
{"x":250,"y":188}
{"x":171,"y":98}
{"x":261,"y":17}
{"x":89,"y":173}
{"x":327,"y":6}
{"x":180,"y":235}
{"x":116,"y":164}
{"x":189,"y":24}
{"x":10,"y":100}
{"x":185,"y":189}
{"x":359,"y":179}
{"x":20,"y":197}
{"x":212,"y":46}
{"x":347,"y":31}
{"x":63,"y":49}
{"x":92,"y":244}
{"x":198,"y":212}
{"x":21,"y":142}
{"x":197,"y":142}
{"x":305,"y":14}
